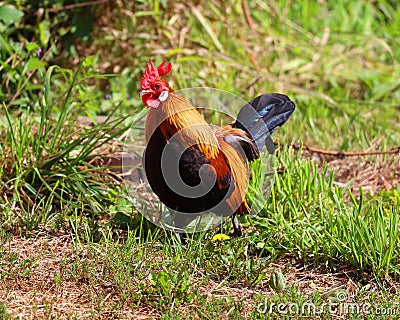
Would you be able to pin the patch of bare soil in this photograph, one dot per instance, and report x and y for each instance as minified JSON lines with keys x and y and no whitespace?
{"x":372,"y":173}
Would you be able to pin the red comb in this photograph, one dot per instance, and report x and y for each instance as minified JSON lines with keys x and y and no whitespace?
{"x":151,"y":73}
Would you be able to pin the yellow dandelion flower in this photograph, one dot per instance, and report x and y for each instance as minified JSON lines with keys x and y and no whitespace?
{"x":220,"y":237}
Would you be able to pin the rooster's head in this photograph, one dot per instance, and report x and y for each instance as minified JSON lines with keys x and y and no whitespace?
{"x":154,"y":89}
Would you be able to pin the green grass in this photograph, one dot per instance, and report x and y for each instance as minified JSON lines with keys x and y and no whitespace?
{"x":69,"y":234}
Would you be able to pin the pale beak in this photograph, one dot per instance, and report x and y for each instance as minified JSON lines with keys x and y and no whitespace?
{"x":142,"y":92}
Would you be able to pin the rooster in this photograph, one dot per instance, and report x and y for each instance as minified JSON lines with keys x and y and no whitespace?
{"x":193,"y":168}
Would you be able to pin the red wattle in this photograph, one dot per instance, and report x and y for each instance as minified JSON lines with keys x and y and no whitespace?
{"x":150,"y":102}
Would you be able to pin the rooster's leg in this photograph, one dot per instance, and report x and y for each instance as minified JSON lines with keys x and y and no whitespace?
{"x":179,"y":221}
{"x":237,"y":229}
{"x":182,"y":237}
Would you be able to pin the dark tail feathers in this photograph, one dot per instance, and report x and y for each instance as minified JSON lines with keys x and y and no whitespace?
{"x":260,"y":117}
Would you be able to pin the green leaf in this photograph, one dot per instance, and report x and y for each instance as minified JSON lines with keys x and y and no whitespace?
{"x":9,"y":15}
{"x":277,"y":281}
{"x":34,"y":63}
{"x":32,"y":46}
{"x":44,"y":32}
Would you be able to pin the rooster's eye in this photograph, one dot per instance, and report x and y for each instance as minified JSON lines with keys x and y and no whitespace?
{"x":157,"y":86}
